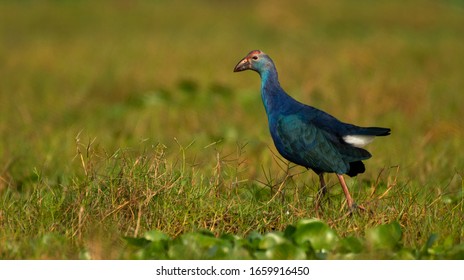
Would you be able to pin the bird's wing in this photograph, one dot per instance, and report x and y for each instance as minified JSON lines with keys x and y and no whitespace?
{"x":351,"y":134}
{"x":308,"y":145}
{"x":345,"y":138}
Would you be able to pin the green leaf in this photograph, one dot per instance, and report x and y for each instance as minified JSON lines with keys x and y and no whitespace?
{"x":432,"y":238}
{"x":270,"y":240}
{"x":319,"y":235}
{"x":200,"y":239}
{"x":254,"y":238}
{"x":230,"y":237}
{"x":385,"y":237}
{"x":285,"y":251}
{"x":404,"y":254}
{"x":289,"y":231}
{"x":198,"y":245}
{"x":427,"y":249}
{"x":351,"y":244}
{"x":137,"y":242}
{"x":155,"y":236}
{"x":456,"y":253}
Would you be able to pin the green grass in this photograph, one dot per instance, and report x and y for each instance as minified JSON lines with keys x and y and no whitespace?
{"x":117,"y":120}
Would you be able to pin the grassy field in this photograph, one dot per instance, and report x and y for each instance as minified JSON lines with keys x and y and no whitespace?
{"x":123,"y":119}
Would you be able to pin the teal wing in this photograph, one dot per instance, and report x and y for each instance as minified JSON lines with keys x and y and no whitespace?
{"x":308,"y":145}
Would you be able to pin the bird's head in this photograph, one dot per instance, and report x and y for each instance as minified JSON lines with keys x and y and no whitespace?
{"x":255,"y":60}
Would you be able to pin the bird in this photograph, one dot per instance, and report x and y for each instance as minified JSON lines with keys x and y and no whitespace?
{"x":308,"y":136}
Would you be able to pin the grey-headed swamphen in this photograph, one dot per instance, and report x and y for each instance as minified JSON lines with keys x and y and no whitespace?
{"x":307,"y":136}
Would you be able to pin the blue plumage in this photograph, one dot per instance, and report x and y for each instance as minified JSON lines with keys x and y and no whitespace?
{"x":308,"y":136}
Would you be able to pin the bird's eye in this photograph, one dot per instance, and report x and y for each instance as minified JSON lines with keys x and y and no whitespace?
{"x":255,"y":57}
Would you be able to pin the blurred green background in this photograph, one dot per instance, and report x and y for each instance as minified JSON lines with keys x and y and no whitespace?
{"x":93,"y":78}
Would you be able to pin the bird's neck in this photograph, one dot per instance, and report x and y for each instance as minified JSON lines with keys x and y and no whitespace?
{"x":274,"y":97}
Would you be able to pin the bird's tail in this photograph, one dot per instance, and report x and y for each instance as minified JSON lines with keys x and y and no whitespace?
{"x":356,"y":167}
{"x":373,"y":131}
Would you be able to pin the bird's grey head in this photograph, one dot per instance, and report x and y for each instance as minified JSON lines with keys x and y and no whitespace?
{"x":255,"y":60}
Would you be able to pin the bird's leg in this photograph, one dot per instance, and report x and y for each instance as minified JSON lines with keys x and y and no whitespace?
{"x":322,"y":191}
{"x":349,"y":200}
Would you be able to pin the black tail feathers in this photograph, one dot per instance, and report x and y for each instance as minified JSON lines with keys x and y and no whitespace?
{"x":356,"y":167}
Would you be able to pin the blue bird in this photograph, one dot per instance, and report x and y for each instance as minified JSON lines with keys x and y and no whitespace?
{"x":308,"y":136}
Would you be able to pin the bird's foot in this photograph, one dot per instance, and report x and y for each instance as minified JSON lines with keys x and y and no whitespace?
{"x":355,"y":207}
